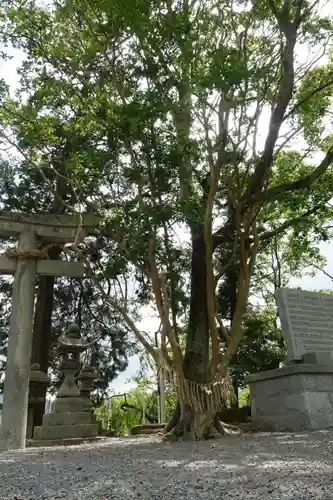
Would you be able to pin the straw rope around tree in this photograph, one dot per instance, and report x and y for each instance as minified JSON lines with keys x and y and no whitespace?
{"x":208,"y":398}
{"x":205,"y":398}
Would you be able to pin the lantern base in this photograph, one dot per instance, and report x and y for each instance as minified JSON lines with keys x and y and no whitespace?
{"x":69,"y":418}
{"x":61,"y":431}
{"x":34,"y":443}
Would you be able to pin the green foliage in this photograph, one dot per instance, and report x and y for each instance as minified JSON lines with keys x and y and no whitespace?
{"x":325,"y":290}
{"x":244,"y":396}
{"x":115,"y":419}
{"x":262,"y":347}
{"x":314,"y":96}
{"x":118,"y":418}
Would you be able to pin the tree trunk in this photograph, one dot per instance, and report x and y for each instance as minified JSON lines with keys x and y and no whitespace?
{"x":196,"y":363}
{"x":42,"y":338}
{"x":185,"y":422}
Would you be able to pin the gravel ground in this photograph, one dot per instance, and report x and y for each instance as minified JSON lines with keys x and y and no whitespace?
{"x":253,"y":466}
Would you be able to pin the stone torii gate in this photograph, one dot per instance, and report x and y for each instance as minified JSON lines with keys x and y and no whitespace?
{"x":25,"y":263}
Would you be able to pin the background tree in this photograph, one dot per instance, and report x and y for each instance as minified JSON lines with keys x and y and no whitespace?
{"x":262,"y":348}
{"x":62,"y":301}
{"x":120,"y":412}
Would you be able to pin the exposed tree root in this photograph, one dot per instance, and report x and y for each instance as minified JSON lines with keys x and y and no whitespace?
{"x":191,"y":426}
{"x":226,"y":429}
{"x":173,"y":420}
{"x":180,"y":426}
{"x":219,"y":426}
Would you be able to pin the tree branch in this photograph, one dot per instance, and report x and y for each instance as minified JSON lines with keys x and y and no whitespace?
{"x":307,"y":97}
{"x":283,"y":99}
{"x":304,"y":183}
{"x":223,"y":329}
{"x":210,"y":281}
{"x":162,"y":303}
{"x":323,"y":271}
{"x":248,"y":256}
{"x":268,"y":235}
{"x":117,"y":307}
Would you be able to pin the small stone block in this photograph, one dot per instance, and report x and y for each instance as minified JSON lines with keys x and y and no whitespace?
{"x":65,"y":431}
{"x":33,"y":443}
{"x":147,"y":429}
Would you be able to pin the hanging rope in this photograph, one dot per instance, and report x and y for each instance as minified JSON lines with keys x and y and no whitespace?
{"x":38,"y":253}
{"x":201,"y":398}
{"x":15,"y":253}
{"x":205,"y":398}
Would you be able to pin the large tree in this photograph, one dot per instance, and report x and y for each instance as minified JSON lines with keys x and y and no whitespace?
{"x":188,"y":114}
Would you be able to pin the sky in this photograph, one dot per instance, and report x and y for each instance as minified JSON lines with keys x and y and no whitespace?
{"x":8,"y":71}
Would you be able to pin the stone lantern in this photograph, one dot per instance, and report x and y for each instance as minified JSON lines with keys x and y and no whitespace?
{"x":69,"y":418}
{"x":70,"y":348}
{"x":38,"y":381}
{"x":85,"y":380}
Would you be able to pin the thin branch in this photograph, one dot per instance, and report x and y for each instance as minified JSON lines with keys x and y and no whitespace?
{"x":307,"y":97}
{"x":210,"y":281}
{"x":161,"y":298}
{"x":323,"y":271}
{"x":223,"y":329}
{"x":283,"y":98}
{"x":268,"y":235}
{"x":304,"y":183}
{"x":40,"y":170}
{"x":224,"y":268}
{"x":117,"y":307}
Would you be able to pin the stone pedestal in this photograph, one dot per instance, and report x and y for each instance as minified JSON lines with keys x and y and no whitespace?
{"x":71,"y":417}
{"x":295,"y":398}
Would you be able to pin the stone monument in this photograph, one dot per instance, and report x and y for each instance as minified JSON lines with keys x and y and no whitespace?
{"x":307,"y":323}
{"x":72,"y":415}
{"x":25,"y":262}
{"x":299,"y":395}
